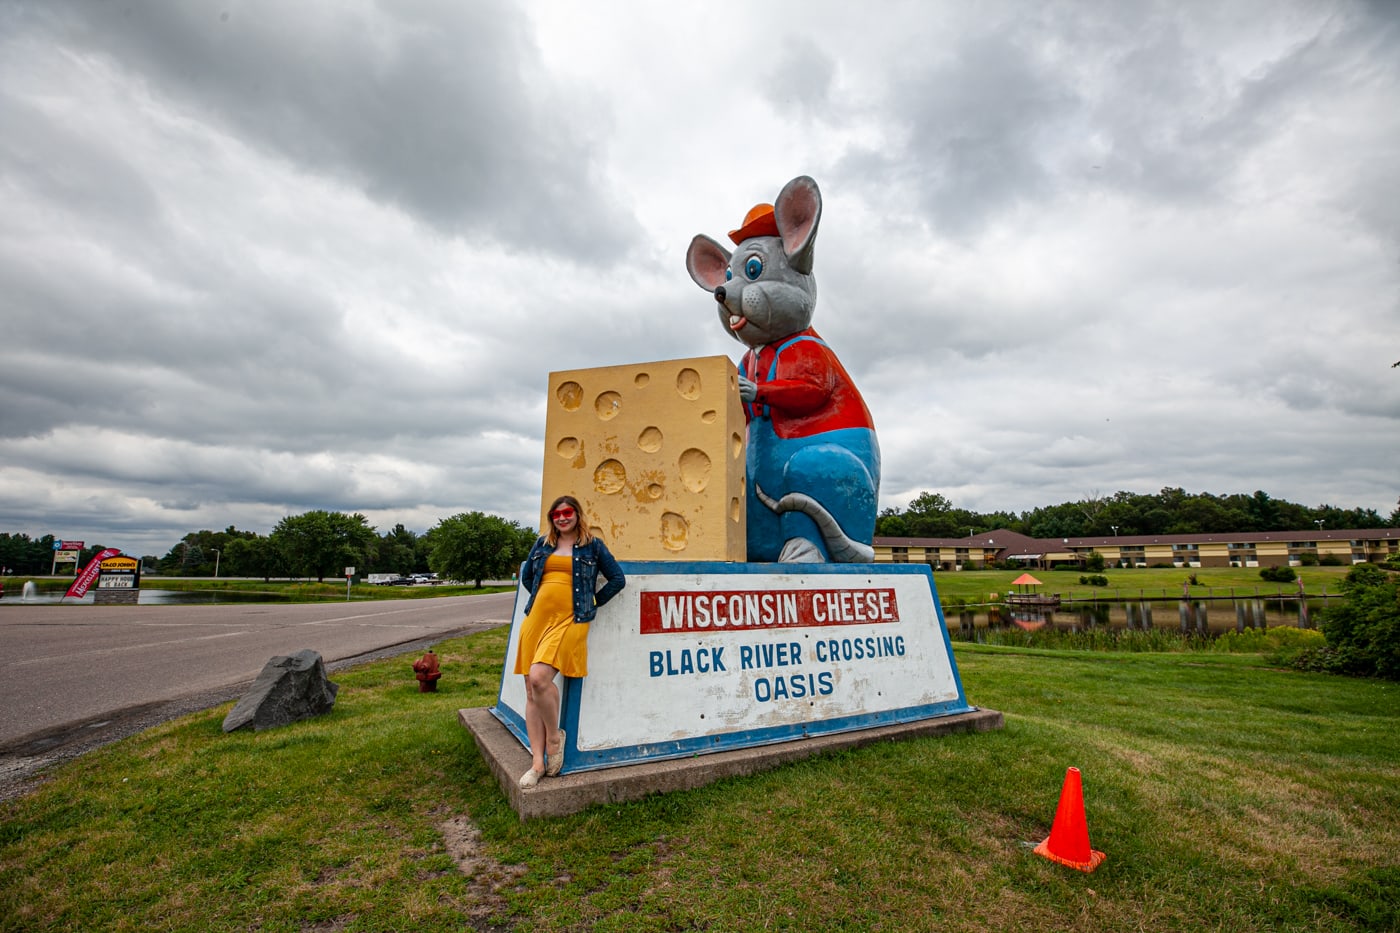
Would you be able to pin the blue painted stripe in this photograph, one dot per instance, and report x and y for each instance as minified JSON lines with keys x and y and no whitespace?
{"x":704,"y":745}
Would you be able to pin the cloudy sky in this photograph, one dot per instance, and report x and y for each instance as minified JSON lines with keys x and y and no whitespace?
{"x":260,"y":257}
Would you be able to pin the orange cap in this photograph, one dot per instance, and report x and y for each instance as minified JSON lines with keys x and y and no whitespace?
{"x":759,"y":221}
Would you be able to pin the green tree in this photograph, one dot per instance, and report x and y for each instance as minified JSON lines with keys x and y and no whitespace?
{"x":19,"y":554}
{"x":931,"y":515}
{"x":185,"y":558}
{"x":476,"y":546}
{"x":890,"y":523}
{"x":194,"y":554}
{"x":1333,"y":517}
{"x":255,"y":556}
{"x":398,"y":552}
{"x":1057,"y":521}
{"x":1364,"y":630}
{"x":320,"y":543}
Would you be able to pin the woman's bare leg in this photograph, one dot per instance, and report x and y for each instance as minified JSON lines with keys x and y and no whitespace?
{"x":534,"y":728}
{"x":540,"y":687}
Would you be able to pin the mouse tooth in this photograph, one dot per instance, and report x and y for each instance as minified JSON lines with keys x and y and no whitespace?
{"x":736,"y":321}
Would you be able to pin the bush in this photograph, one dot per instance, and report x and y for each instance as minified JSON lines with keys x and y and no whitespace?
{"x":1364,"y":629}
{"x":1318,"y":660}
{"x":1094,"y":561}
{"x":1097,"y":579}
{"x":1329,"y":560}
{"x":1282,"y":574}
{"x":1283,"y":646}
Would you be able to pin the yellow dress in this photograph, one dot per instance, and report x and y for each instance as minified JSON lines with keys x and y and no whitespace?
{"x":549,"y":634}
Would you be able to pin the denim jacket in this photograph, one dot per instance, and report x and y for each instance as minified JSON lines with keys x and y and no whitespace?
{"x":589,"y":560}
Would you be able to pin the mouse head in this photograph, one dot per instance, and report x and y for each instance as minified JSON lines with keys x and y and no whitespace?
{"x":765,"y":289}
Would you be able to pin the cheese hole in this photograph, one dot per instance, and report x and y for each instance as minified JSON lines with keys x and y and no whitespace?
{"x":570,"y":395}
{"x":695,"y":469}
{"x":674,"y":532}
{"x":607,"y":405}
{"x":610,"y":477}
{"x":688,"y":383}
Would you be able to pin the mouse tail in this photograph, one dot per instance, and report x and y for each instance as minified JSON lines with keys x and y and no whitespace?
{"x":842,"y":548}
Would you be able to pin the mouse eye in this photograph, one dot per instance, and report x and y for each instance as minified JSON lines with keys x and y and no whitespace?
{"x":728,"y":274}
{"x":753,"y":268}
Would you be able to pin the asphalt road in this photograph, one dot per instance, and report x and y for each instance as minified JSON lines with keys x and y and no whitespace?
{"x":76,"y":677}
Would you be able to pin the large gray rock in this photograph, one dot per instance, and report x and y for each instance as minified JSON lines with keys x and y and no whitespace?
{"x":288,"y":689}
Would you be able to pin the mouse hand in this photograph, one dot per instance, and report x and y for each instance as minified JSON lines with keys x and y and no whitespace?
{"x":748,"y":390}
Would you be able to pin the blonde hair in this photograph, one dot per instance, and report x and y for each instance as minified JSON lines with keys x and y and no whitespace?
{"x":585,"y":534}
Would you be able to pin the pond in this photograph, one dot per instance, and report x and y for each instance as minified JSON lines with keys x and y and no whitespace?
{"x":1199,"y":617}
{"x":146,"y":598}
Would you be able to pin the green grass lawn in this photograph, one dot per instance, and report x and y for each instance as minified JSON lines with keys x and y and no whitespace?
{"x":1227,"y":794}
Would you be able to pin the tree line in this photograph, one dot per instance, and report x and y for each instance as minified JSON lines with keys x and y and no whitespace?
{"x":477,"y":546}
{"x":1169,"y":512}
{"x":470,"y":546}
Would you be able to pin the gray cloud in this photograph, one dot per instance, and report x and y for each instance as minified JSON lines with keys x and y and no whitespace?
{"x":443,"y":109}
{"x":304,"y":256}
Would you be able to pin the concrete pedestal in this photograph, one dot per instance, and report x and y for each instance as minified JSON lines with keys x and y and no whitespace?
{"x":571,"y":793}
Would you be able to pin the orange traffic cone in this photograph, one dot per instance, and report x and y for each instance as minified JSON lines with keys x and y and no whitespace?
{"x":1068,"y":842}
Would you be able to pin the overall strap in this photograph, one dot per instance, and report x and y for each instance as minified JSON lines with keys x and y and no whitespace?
{"x":773,"y":367}
{"x":744,"y":371}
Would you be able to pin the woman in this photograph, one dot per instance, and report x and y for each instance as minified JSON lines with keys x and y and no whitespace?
{"x":561,"y":576}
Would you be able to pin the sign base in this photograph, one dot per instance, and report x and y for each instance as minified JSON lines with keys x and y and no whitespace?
{"x":698,"y":658}
{"x":571,"y":793}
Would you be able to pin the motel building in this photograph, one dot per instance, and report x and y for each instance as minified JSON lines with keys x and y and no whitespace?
{"x":1242,"y":549}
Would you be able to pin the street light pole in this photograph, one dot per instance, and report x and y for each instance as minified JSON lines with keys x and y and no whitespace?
{"x":217,"y":555}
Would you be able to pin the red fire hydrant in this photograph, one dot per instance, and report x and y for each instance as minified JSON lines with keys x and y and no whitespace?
{"x":426,"y":670}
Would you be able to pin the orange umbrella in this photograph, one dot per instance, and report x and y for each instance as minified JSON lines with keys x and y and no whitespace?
{"x":1025,"y":579}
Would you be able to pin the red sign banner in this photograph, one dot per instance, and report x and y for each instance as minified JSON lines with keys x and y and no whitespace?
{"x":84,"y":580}
{"x":690,"y":611}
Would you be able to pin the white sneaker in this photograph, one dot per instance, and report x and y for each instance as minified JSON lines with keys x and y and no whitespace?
{"x":530,"y":778}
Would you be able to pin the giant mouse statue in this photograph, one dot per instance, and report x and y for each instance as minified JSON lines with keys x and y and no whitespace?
{"x":813,"y":461}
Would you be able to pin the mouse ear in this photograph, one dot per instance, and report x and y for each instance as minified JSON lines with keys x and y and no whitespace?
{"x":798,"y":211}
{"x":707,"y":262}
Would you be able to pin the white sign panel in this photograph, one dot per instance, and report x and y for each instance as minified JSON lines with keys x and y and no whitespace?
{"x":700,"y":657}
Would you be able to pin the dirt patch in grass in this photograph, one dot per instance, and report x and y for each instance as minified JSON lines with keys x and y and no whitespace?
{"x":489,"y":877}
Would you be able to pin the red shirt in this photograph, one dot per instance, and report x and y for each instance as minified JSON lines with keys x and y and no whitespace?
{"x":807,"y":392}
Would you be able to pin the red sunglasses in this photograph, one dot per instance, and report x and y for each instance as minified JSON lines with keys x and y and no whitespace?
{"x":563,"y":512}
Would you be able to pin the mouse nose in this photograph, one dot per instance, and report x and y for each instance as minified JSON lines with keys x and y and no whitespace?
{"x":721,"y":294}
